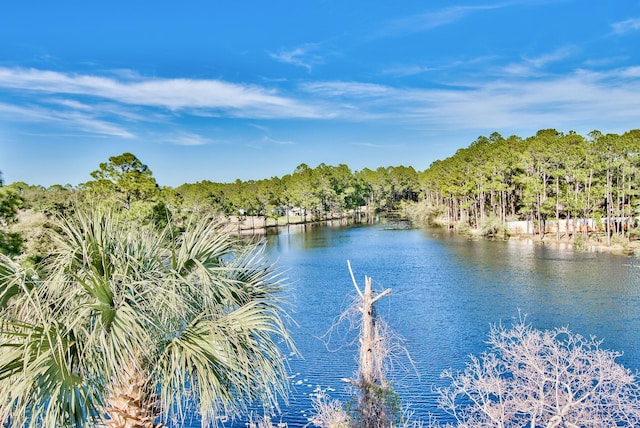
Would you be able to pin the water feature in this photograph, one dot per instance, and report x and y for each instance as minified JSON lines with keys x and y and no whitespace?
{"x":447,"y":291}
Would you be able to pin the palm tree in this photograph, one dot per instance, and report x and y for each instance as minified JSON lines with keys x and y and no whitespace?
{"x":130,"y":327}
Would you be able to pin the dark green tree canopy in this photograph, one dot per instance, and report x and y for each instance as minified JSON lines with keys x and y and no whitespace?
{"x":10,"y":202}
{"x":125,"y":175}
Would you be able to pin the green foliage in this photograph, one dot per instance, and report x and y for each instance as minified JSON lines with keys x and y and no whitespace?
{"x":198,"y":314}
{"x":161,"y":215}
{"x":386,"y":187}
{"x":388,"y":402}
{"x":10,"y":243}
{"x":550,"y":175}
{"x":421,"y":213}
{"x":54,"y":200}
{"x":578,"y":242}
{"x":491,"y":227}
{"x":317,"y":193}
{"x":10,"y":202}
{"x":35,"y":227}
{"x":124,"y":176}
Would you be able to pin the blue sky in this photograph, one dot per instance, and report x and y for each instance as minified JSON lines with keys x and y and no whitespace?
{"x":206,"y":90}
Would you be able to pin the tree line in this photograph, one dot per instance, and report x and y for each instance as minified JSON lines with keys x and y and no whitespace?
{"x":312,"y":193}
{"x":590,"y":184}
{"x":548,"y":176}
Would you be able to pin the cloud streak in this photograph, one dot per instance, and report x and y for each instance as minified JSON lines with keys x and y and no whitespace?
{"x":626,"y":26}
{"x":530,"y":67}
{"x":575,"y":100}
{"x":446,"y":16}
{"x":190,"y":140}
{"x":172,"y":94}
{"x":507,"y":101}
{"x":300,"y":56}
{"x":72,"y":119}
{"x":435,"y":19}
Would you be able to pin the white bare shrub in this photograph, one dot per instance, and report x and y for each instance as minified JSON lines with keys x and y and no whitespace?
{"x":533,"y":378}
{"x":258,"y":421}
{"x":328,"y":412}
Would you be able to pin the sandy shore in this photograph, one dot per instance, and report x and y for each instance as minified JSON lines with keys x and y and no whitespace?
{"x":627,"y":248}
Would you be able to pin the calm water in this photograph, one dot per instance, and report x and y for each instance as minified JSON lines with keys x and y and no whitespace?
{"x":446,"y":293}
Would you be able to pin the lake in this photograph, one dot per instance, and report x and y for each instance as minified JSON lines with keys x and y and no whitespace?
{"x":446,"y":292}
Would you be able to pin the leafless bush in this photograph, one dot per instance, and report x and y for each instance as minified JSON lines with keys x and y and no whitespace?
{"x":539,"y":378}
{"x":329,"y":412}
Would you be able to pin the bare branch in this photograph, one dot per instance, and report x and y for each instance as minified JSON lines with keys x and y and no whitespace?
{"x":542,"y":378}
{"x":381,"y":295}
{"x":353,"y":278}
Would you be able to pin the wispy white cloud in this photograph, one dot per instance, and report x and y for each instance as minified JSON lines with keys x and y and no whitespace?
{"x":605,"y":61}
{"x":627,"y":26}
{"x":260,"y":127}
{"x":630,"y":72}
{"x":434,"y":19}
{"x":579,"y":99}
{"x":346,"y":89}
{"x":266,"y":139}
{"x":266,"y":142}
{"x":533,"y":65}
{"x":378,"y":146}
{"x":95,"y":126}
{"x":126,"y":105}
{"x":104,"y":110}
{"x":446,"y":16}
{"x":502,"y":101}
{"x":408,"y":70}
{"x":73,"y":104}
{"x":551,"y":57}
{"x":189,"y":140}
{"x":300,"y":56}
{"x":440,"y":66}
{"x":278,"y":142}
{"x":173,"y":94}
{"x":70,"y":119}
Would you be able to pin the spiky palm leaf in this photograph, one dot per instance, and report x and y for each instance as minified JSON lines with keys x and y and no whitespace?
{"x":197,"y":315}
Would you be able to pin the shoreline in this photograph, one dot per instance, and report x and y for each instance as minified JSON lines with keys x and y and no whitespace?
{"x":630,"y":248}
{"x":257,"y":225}
{"x":246,"y":225}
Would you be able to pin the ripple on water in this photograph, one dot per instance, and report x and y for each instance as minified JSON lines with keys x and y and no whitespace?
{"x":447,"y":291}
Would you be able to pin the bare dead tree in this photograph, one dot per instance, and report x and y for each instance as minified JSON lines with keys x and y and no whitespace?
{"x":377,"y":404}
{"x":533,"y":378}
{"x":374,"y":389}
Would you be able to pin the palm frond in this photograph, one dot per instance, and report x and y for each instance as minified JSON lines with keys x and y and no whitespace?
{"x":199,"y":314}
{"x":14,"y":280}
{"x":40,"y":381}
{"x":224,"y":364}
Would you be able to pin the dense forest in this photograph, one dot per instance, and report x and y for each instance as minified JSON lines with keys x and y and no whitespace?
{"x":548,"y":177}
{"x":551,"y":175}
